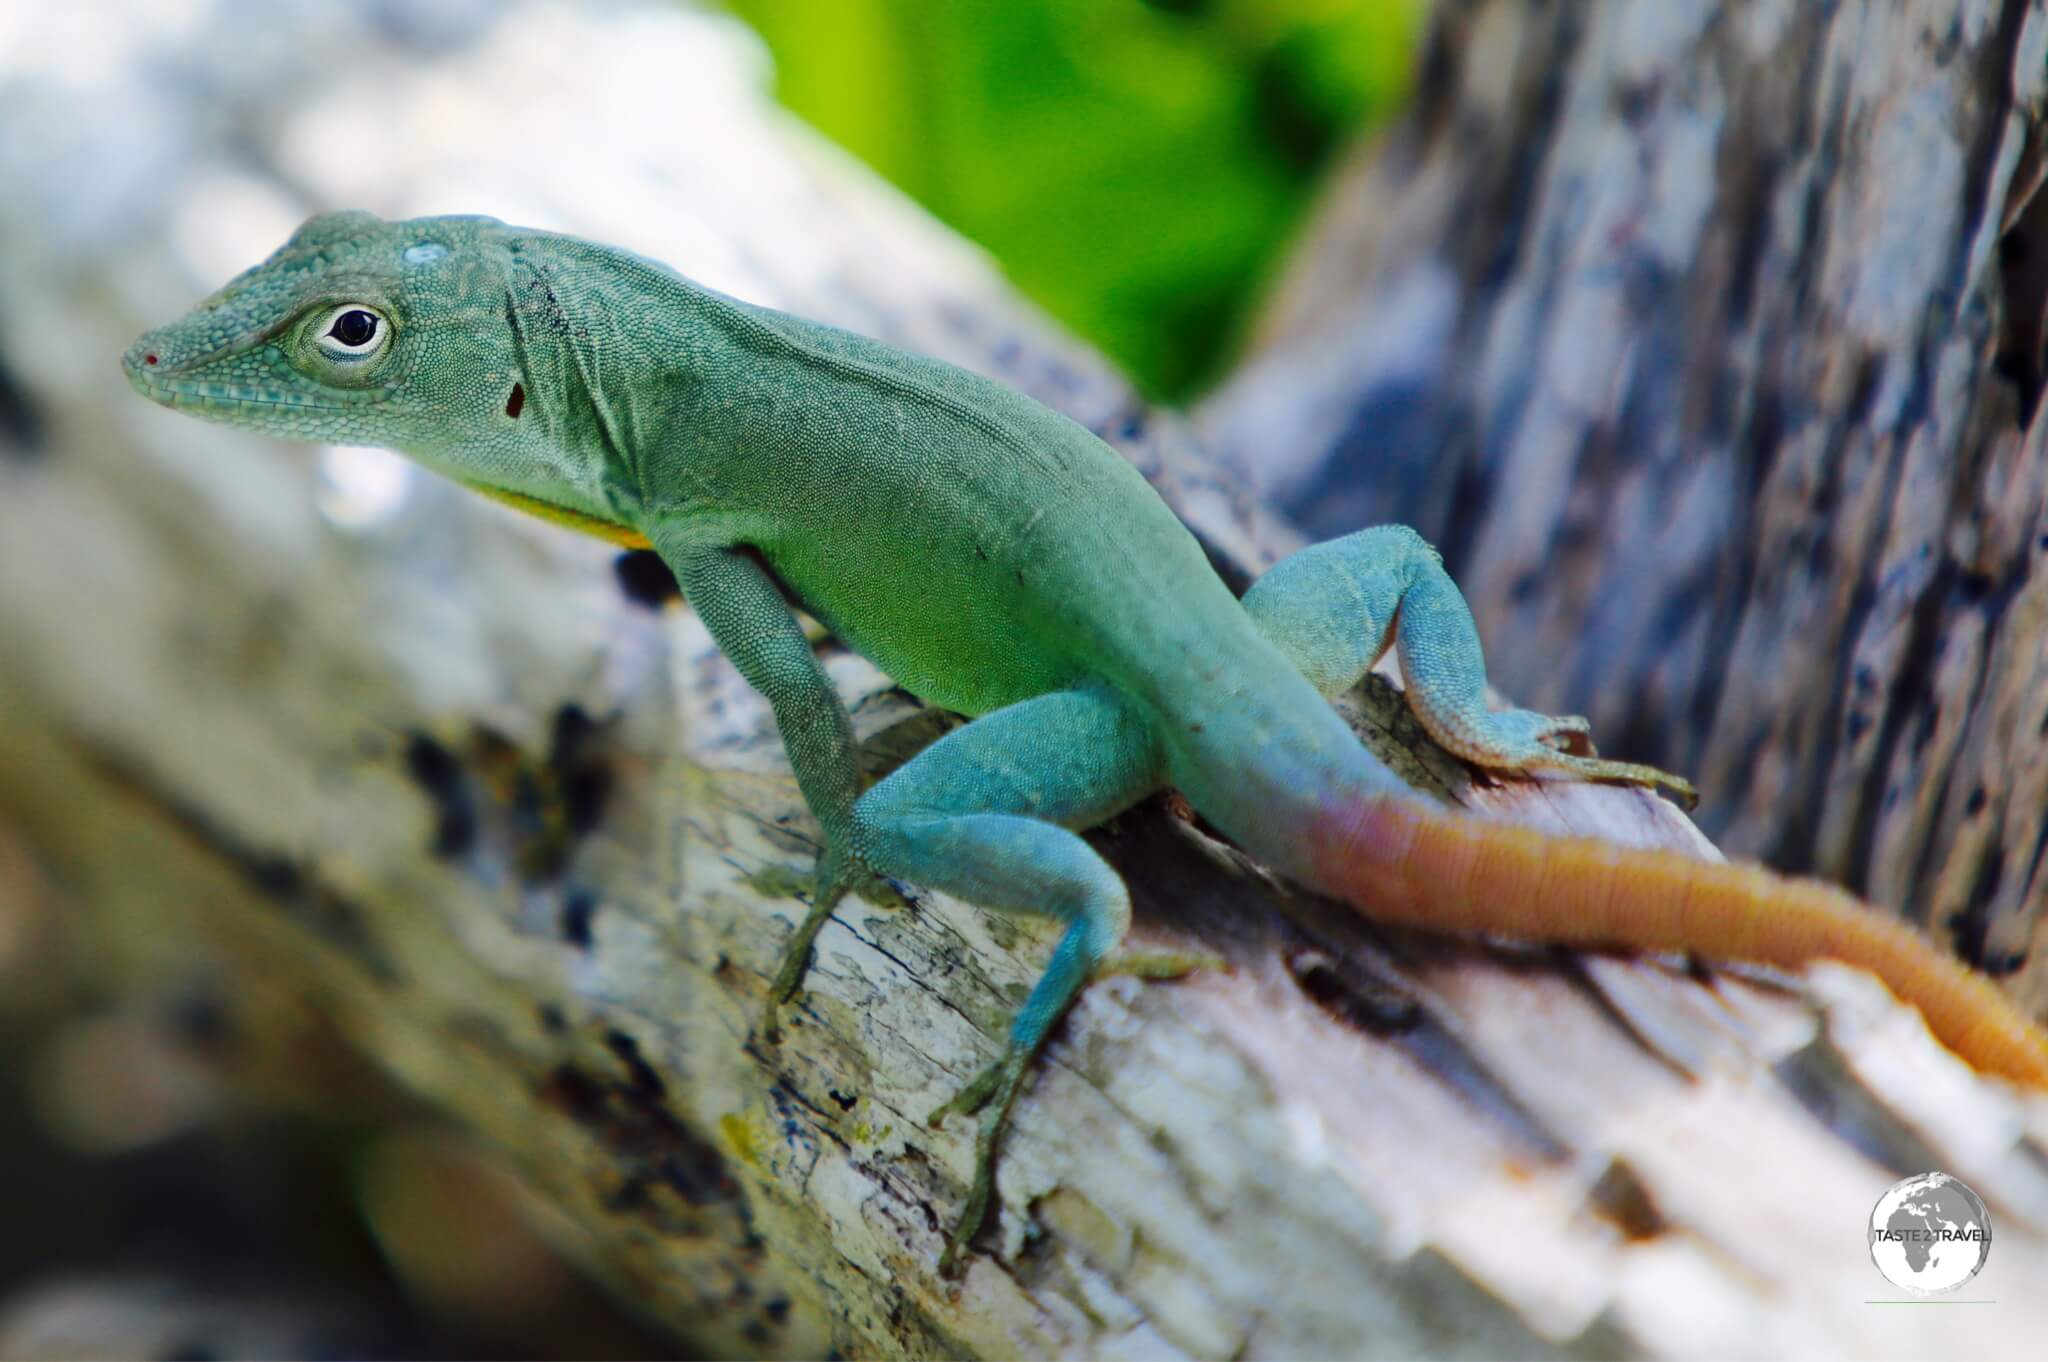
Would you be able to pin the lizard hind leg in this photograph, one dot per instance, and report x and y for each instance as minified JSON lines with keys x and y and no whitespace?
{"x":988,"y":814}
{"x":1335,"y":607}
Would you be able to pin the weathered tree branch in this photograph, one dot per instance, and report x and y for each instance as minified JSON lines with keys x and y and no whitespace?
{"x":413,"y":776}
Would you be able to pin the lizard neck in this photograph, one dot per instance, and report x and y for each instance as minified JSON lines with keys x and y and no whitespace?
{"x":587,"y":353}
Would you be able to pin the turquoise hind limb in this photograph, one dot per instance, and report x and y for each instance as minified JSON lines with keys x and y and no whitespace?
{"x":987,"y":814}
{"x":1333,"y":608}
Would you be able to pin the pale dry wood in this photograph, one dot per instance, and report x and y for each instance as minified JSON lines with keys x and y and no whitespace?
{"x":240,"y":722}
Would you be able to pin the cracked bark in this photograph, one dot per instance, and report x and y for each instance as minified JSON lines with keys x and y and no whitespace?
{"x":426,"y":789}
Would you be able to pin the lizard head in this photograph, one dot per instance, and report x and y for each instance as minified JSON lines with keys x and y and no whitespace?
{"x":356,"y":331}
{"x":367,"y":332}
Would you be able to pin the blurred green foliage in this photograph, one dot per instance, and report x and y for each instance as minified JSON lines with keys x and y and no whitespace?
{"x":1135,"y":165}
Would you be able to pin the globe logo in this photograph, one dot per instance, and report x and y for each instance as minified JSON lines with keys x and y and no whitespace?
{"x":1929,"y":1235}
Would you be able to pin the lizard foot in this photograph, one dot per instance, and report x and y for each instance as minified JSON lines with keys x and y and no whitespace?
{"x":839,"y":874}
{"x":1158,"y":964}
{"x":1521,"y":740}
{"x":1627,"y":773}
{"x":991,"y":1093}
{"x":994,"y":1090}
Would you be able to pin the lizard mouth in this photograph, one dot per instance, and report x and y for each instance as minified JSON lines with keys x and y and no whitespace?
{"x":203,"y":395}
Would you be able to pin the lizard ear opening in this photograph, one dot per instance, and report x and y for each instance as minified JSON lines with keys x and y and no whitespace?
{"x":516,"y":403}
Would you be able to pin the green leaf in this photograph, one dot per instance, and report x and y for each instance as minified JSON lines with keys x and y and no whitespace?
{"x":1135,"y":167}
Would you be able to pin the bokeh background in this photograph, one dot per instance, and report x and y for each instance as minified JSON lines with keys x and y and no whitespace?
{"x":1136,"y":168}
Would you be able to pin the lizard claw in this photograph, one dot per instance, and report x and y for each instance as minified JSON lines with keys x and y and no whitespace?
{"x":991,"y":1093}
{"x":839,"y":873}
{"x":1521,"y":740}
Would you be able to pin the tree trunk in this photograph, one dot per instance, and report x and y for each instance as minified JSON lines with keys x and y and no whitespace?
{"x":393,"y":776}
{"x":1705,"y":338}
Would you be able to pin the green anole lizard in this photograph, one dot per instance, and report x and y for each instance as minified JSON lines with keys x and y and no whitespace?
{"x":998,"y":560}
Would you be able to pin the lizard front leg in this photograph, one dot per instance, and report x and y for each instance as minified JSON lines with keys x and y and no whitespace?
{"x":755,"y":628}
{"x":1335,"y":607}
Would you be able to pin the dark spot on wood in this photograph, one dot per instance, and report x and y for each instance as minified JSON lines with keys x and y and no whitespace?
{"x":652,"y":1147}
{"x":646,"y":1082}
{"x":846,"y":1101}
{"x":2002,"y":966}
{"x":777,"y":1309}
{"x":1855,"y":724}
{"x":1974,"y":805}
{"x":551,"y":1019}
{"x":437,"y":772}
{"x":570,"y":733}
{"x":1621,"y":1199}
{"x":1971,"y":927}
{"x":1634,"y":100}
{"x":645,"y":578}
{"x":516,"y":403}
{"x":201,"y":1020}
{"x":2023,"y":277}
{"x":1378,"y":1010}
{"x":548,"y":806}
{"x":21,"y":427}
{"x":578,"y":907}
{"x":583,"y":774}
{"x":576,"y":1095}
{"x":631,"y":1196}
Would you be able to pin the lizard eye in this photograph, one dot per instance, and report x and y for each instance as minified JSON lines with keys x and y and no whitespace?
{"x":352,"y":331}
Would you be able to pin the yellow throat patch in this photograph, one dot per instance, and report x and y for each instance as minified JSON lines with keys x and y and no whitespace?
{"x":606,"y":530}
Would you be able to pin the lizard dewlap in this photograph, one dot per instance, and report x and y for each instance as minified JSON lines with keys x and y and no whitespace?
{"x":996,"y":559}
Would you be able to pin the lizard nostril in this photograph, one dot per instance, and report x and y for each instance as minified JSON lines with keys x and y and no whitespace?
{"x":149,"y":359}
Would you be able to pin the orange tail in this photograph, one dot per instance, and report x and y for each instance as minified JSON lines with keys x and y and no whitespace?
{"x":1400,"y":862}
